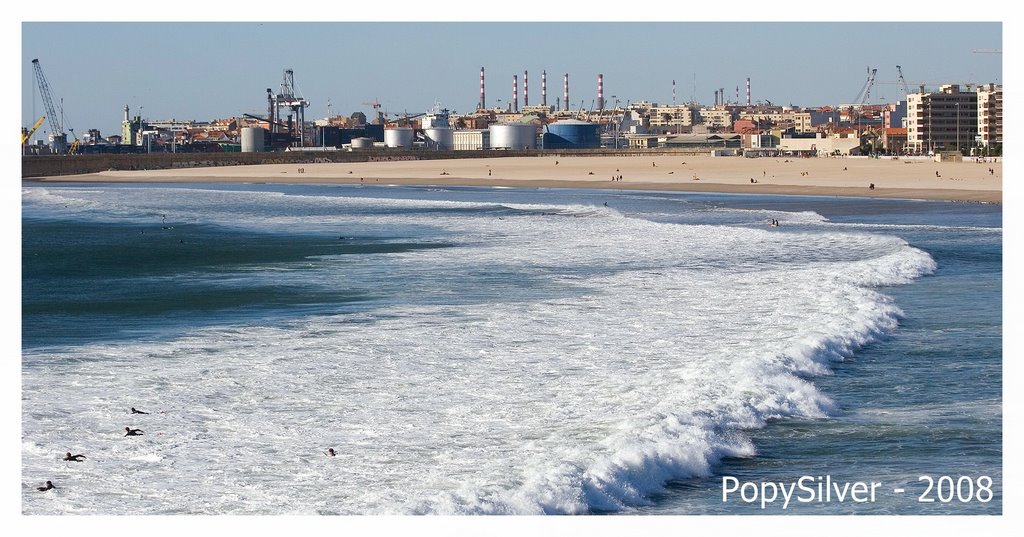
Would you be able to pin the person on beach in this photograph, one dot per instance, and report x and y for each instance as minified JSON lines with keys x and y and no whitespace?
{"x":128,"y":431}
{"x":49,"y":485}
{"x":871,"y":186}
{"x":75,"y":458}
{"x":138,"y":411}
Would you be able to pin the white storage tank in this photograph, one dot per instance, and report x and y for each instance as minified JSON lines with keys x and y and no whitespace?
{"x":254,"y":139}
{"x":439,"y":138}
{"x":362,"y":143}
{"x":513,"y":136}
{"x":398,"y":137}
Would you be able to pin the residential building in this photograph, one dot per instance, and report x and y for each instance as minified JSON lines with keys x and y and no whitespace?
{"x":946,"y":120}
{"x":990,"y":115}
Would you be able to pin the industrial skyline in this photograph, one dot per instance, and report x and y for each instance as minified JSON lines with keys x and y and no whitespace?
{"x":208,"y":70}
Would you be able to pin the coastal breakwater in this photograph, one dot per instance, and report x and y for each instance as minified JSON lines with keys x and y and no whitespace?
{"x":57,"y":165}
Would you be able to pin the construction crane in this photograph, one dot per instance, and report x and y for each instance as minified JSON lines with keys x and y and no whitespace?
{"x":375,"y":104}
{"x":901,"y":81}
{"x":28,"y":134}
{"x":987,"y":51}
{"x":60,"y":140}
{"x":865,"y":91}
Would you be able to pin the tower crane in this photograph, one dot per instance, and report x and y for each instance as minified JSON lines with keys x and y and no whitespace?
{"x":60,"y":140}
{"x":375,"y":103}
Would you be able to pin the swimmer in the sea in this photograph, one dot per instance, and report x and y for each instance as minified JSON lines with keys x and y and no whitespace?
{"x":49,"y":485}
{"x":76,"y":458}
{"x":128,"y":431}
{"x":330,"y":452}
{"x":138,"y":411}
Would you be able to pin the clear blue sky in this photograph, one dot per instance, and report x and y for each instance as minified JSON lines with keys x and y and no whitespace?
{"x":207,"y":70}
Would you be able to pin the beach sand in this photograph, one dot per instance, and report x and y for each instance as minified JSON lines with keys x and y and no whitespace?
{"x":903,"y":178}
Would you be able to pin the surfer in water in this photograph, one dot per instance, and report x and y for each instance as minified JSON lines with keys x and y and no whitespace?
{"x":75,"y":458}
{"x":138,"y":411}
{"x":330,"y":452}
{"x":49,"y":485}
{"x":128,"y":431}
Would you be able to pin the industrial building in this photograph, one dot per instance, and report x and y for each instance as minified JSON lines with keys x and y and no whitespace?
{"x":572,"y":134}
{"x":942,"y":121}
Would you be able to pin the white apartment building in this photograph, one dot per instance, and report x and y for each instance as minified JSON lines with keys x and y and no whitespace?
{"x":801,"y":121}
{"x":672,"y":115}
{"x":990,"y":115}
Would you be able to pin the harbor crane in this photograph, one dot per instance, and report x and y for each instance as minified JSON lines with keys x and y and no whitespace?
{"x":26,"y":135}
{"x":987,"y":51}
{"x":60,"y":139}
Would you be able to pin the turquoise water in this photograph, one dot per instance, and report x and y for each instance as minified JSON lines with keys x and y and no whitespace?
{"x":477,"y":350}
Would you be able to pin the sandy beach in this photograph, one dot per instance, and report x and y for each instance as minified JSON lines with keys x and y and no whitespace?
{"x":852,"y":176}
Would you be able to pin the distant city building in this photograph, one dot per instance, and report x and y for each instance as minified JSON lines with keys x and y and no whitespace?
{"x":716,"y":118}
{"x":799,"y":120}
{"x":946,"y":120}
{"x":895,"y":115}
{"x":672,"y":116}
{"x":990,"y":115}
{"x":894,"y":141}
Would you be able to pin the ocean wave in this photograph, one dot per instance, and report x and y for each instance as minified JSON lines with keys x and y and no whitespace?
{"x":541,"y":364}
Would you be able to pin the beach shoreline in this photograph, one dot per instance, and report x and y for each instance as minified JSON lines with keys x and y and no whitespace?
{"x":967,"y":181}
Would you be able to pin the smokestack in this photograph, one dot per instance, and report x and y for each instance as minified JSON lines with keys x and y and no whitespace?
{"x":600,"y":91}
{"x":673,"y":93}
{"x":515,"y":93}
{"x":483,"y":104}
{"x":565,"y":94}
{"x":271,"y":124}
{"x":544,"y":88}
{"x":748,"y":91}
{"x":526,"y":89}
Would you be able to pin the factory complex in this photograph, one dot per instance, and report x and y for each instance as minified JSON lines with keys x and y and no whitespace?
{"x":960,"y":119}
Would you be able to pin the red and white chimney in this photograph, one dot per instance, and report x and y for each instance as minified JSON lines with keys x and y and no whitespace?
{"x":565,"y":94}
{"x":544,"y":88}
{"x":483,"y":104}
{"x":515,"y":93}
{"x":526,"y":89}
{"x":600,"y":91}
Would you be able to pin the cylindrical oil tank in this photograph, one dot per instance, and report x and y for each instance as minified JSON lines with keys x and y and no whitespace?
{"x":362,"y":143}
{"x":572,"y":134}
{"x":398,"y":137}
{"x":513,"y":136}
{"x":254,"y":139}
{"x":439,"y":138}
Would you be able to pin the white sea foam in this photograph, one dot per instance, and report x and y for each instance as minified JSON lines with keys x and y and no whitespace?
{"x":638,"y":352}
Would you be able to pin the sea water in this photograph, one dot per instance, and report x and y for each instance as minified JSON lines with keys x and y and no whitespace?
{"x":477,"y":351}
